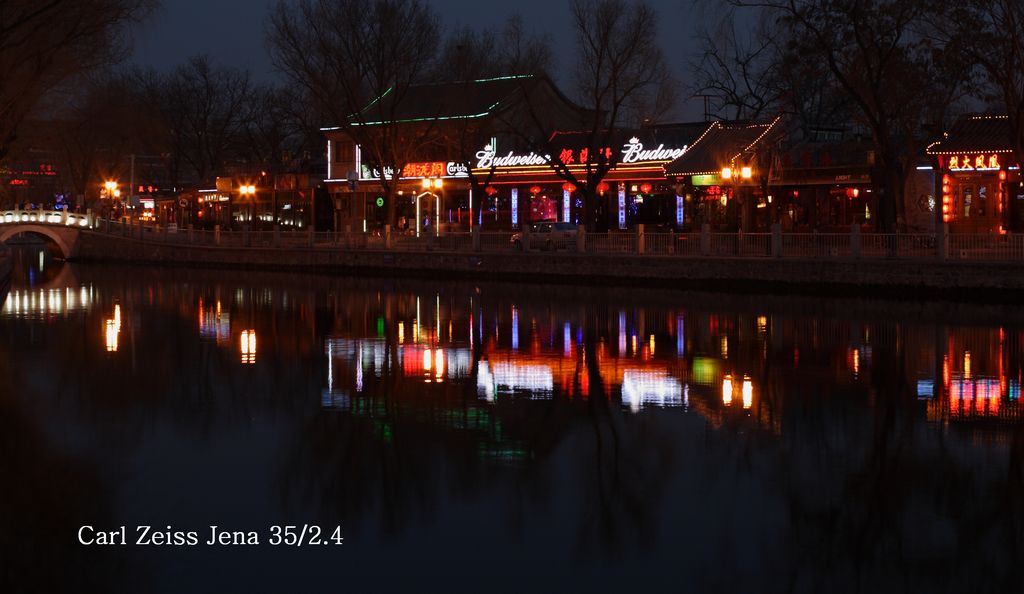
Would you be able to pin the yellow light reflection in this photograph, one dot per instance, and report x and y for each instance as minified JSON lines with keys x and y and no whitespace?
{"x":110,"y":331}
{"x":428,"y":359}
{"x":247,"y":345}
{"x":727,"y":390}
{"x":748,"y":393}
{"x":401,"y":332}
{"x":650,"y":343}
{"x":439,"y":364}
{"x":967,"y":364}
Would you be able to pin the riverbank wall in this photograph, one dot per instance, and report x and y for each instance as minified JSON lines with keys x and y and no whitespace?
{"x":900,"y":278}
{"x":6,"y":266}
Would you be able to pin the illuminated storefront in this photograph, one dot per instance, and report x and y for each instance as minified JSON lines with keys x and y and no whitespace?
{"x":979,"y":179}
{"x":722,"y":179}
{"x":525,"y":187}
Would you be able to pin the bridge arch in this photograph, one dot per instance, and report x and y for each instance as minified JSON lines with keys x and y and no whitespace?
{"x":56,"y":235}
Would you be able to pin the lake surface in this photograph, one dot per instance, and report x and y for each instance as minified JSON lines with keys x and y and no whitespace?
{"x":459,"y":436}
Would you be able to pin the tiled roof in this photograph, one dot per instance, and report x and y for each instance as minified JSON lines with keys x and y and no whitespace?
{"x":975,"y":134}
{"x":721,"y":144}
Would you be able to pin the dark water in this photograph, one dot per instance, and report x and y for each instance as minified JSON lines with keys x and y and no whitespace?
{"x":489,"y":437}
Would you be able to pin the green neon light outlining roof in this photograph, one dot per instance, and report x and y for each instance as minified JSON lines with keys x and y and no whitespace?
{"x":432,"y":118}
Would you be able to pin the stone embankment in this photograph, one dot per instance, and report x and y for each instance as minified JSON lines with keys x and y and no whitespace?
{"x":901,"y":278}
{"x":6,"y":265}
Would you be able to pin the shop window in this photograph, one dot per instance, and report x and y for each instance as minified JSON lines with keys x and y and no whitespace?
{"x":968,"y":196}
{"x":982,"y":198}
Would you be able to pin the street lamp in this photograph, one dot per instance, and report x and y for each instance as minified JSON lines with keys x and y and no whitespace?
{"x":427,"y":184}
{"x":246,"y":193}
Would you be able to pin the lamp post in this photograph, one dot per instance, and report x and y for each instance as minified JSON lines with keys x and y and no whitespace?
{"x":246,"y":193}
{"x":427,"y":184}
{"x":745,"y":173}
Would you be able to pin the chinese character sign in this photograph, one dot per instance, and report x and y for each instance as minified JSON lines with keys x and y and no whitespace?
{"x":974,"y":162}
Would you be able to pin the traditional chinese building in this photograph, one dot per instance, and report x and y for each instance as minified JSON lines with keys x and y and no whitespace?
{"x":486,"y":167}
{"x":979,"y":177}
{"x":524,"y":187}
{"x":455,"y":125}
{"x":722,"y":179}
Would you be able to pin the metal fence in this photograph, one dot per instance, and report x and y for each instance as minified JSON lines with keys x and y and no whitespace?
{"x":854,"y":245}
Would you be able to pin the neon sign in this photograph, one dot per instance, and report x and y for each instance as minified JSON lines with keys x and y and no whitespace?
{"x":633,"y":152}
{"x":974,"y":162}
{"x":487,"y":158}
{"x":622,"y":206}
{"x":417,"y":170}
{"x":515,"y":206}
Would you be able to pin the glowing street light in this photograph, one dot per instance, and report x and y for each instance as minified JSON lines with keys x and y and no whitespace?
{"x":746,"y":172}
{"x":726,"y":172}
{"x":247,"y":192}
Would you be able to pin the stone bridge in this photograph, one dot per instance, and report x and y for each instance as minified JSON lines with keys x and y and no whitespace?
{"x":57,"y":227}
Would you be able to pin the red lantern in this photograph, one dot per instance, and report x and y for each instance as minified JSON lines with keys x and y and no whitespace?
{"x":491,"y":190}
{"x":603,"y":187}
{"x":646,"y":188}
{"x":568,"y":187}
{"x":535,"y":189}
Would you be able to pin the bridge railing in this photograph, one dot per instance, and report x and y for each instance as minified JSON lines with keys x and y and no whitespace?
{"x":46,"y":217}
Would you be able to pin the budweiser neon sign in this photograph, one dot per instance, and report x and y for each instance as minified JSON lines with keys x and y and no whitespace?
{"x":487,"y":158}
{"x":632,"y":152}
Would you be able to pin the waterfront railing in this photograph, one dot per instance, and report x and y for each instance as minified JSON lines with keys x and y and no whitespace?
{"x":988,"y":247}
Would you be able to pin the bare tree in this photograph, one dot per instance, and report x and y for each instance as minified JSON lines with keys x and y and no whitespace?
{"x":740,"y":73}
{"x":467,"y":57}
{"x":620,"y":80}
{"x":468,"y":54}
{"x":44,"y":43}
{"x":990,"y":33}
{"x":206,"y":112}
{"x":883,"y":66}
{"x":356,"y":60}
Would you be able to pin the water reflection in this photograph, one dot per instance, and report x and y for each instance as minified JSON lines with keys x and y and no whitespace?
{"x":734,"y":443}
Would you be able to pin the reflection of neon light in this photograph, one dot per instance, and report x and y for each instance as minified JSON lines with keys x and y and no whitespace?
{"x":567,"y":339}
{"x":515,"y":329}
{"x":974,"y":395}
{"x":748,"y":393}
{"x":925,"y":388}
{"x":680,"y":336}
{"x":727,"y":390}
{"x":514,"y":376}
{"x":485,"y":381}
{"x":650,"y":388}
{"x":622,"y":332}
{"x":704,"y":370}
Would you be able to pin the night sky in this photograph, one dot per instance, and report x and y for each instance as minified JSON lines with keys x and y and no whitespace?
{"x":232,"y":31}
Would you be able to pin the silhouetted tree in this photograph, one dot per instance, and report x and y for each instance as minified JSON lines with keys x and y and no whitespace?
{"x":44,"y":43}
{"x":355,"y":60}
